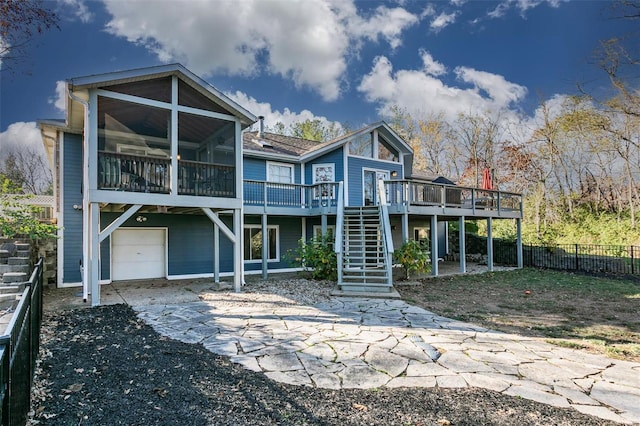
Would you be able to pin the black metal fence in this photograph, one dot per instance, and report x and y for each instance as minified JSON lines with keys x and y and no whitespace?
{"x":19,"y":348}
{"x":572,"y":257}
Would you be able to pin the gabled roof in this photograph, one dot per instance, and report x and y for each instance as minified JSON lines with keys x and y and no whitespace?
{"x":149,"y":73}
{"x":271,"y":144}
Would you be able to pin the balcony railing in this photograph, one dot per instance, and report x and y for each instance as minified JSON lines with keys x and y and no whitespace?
{"x":418,"y":193}
{"x":206,"y":179}
{"x":259,"y":193}
{"x":135,"y":173}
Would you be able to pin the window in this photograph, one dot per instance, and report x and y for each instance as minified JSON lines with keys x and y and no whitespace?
{"x":362,"y":146}
{"x":323,"y":173}
{"x":253,"y":243}
{"x":279,"y":172}
{"x":317,"y":231}
{"x":385,"y":152}
{"x":331,"y":232}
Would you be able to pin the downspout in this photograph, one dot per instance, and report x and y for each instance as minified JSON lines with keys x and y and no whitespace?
{"x":85,"y":196}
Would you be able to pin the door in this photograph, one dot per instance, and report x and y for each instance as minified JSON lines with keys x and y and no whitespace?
{"x":138,"y":254}
{"x":370,"y":185}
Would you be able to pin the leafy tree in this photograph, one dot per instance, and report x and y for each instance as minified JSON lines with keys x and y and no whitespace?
{"x":20,"y":21}
{"x":18,"y":217}
{"x":413,"y":257}
{"x":315,"y":130}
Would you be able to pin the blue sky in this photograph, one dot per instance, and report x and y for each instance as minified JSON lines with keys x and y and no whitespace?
{"x":336,"y":60}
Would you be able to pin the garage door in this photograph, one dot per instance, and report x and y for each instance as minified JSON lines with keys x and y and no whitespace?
{"x":137,"y":254}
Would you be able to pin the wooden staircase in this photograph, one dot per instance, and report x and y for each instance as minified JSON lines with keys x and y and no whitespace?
{"x":365,"y":262}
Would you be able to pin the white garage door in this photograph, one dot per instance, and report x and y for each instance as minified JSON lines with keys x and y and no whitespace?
{"x":137,"y":254}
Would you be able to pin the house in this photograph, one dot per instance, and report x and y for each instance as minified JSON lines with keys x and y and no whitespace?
{"x":158,"y":176}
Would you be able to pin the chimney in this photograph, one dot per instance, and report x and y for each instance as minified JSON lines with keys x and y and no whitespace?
{"x":261,"y":126}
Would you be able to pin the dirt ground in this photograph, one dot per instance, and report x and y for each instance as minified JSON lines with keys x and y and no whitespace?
{"x":104,"y":366}
{"x":592,"y":313}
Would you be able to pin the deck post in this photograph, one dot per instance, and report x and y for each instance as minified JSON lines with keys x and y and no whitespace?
{"x":238,"y":277}
{"x":519,"y":243}
{"x":462,"y":249}
{"x":93,"y":270}
{"x":216,"y":252}
{"x":265,"y":247}
{"x":405,"y":226}
{"x":434,"y":245}
{"x":323,"y":224}
{"x":489,"y":245}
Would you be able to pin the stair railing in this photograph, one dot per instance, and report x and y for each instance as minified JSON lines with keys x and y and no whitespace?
{"x":386,"y":229}
{"x":339,"y":234}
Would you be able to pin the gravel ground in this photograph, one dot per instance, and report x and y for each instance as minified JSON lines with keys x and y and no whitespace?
{"x":104,"y":366}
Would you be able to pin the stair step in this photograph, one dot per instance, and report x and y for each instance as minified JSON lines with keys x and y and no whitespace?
{"x":18,"y":260}
{"x":14,"y":277}
{"x":11,"y":289}
{"x":13,"y":268}
{"x":10,"y":297}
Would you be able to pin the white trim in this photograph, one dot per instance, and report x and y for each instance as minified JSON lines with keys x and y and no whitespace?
{"x":259,"y":227}
{"x":345,"y":177}
{"x":375,"y":183}
{"x":375,"y":159}
{"x":60,"y":214}
{"x":314,"y":167}
{"x":290,"y":166}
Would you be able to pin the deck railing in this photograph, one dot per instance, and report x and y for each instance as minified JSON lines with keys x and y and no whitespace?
{"x":418,"y":193}
{"x":260,"y":193}
{"x":134,"y":173}
{"x":206,"y":179}
{"x":19,"y":346}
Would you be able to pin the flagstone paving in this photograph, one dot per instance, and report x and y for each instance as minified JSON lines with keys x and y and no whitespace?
{"x":371,"y":343}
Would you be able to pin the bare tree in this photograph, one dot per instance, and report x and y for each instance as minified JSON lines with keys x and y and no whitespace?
{"x":20,"y":22}
{"x":27,"y":169}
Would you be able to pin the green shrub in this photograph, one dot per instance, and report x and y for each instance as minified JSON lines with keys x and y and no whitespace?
{"x":413,"y":258}
{"x":317,"y":257}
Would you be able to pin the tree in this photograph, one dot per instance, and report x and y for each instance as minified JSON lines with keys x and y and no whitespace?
{"x":315,"y":130}
{"x":20,"y":21}
{"x":18,"y":217}
{"x":27,"y":169}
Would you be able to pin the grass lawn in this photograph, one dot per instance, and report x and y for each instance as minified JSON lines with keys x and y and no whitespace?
{"x":596,"y":314}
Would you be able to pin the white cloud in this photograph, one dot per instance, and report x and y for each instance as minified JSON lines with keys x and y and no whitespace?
{"x":420,"y":92}
{"x":19,"y":135}
{"x":80,"y":8}
{"x":60,"y":99}
{"x":443,"y":20}
{"x":271,"y":117}
{"x":431,"y":66}
{"x":388,"y":23}
{"x":494,"y":85}
{"x":307,"y":41}
{"x":521,"y":6}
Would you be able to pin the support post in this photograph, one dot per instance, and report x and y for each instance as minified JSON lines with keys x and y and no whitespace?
{"x":265,"y":247}
{"x":434,"y":245}
{"x":323,"y":224}
{"x":405,"y":226}
{"x":238,"y":273}
{"x":462,"y":244}
{"x":94,"y":253}
{"x":489,"y":245}
{"x":519,"y":243}
{"x":216,"y":250}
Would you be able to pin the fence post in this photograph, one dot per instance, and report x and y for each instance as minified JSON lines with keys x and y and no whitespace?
{"x":632,"y":272}
{"x":576,"y":257}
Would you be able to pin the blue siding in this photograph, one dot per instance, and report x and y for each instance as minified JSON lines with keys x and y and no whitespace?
{"x":190,"y":242}
{"x":336,"y":156}
{"x":355,"y":166}
{"x":256,"y":169}
{"x":72,"y":219}
{"x":290,"y":232}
